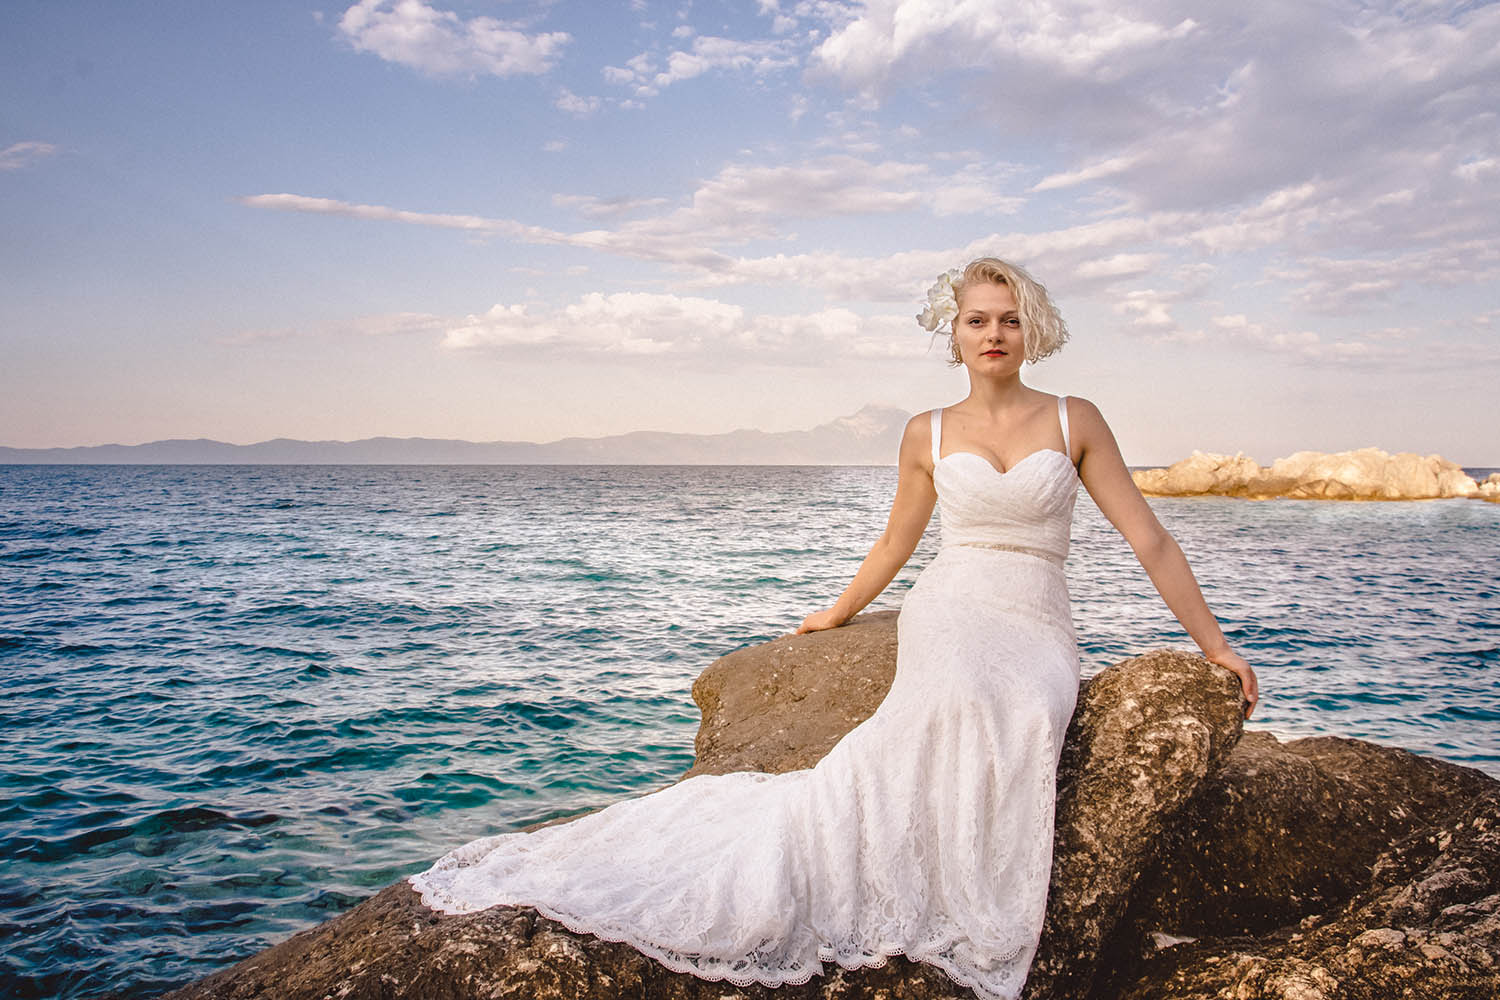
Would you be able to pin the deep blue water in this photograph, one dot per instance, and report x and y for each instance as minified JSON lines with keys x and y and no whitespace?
{"x":237,"y":700}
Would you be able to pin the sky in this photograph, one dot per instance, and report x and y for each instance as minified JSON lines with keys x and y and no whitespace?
{"x":1270,"y":226}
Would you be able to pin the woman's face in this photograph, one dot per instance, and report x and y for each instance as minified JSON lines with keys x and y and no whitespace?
{"x":988,"y":330}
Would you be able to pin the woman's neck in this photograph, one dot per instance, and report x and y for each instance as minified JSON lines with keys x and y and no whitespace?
{"x":996,"y":395}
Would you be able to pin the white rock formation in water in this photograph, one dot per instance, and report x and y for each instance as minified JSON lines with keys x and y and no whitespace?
{"x":1366,"y":474}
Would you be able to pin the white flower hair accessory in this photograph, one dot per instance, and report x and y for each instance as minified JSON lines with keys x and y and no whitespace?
{"x":942,"y":302}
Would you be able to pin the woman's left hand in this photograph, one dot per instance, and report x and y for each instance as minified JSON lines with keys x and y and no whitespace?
{"x":818,"y":621}
{"x":1237,"y":665}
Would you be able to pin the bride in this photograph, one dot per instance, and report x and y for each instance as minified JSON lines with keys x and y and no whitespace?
{"x":927,"y":831}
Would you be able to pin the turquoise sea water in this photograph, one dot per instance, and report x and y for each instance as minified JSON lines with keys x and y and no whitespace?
{"x":237,"y":700}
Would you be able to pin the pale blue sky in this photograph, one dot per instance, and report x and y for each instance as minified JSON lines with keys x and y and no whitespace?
{"x":1269,"y":228}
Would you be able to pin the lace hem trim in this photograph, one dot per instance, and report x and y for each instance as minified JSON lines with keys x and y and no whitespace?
{"x":713,"y":969}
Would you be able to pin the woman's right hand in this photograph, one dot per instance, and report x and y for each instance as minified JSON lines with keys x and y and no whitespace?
{"x":818,"y":621}
{"x":1236,"y":664}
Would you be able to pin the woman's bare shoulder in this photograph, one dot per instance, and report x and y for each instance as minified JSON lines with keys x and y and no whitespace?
{"x":918,"y":430}
{"x":1083,"y":409}
{"x":916,"y":440}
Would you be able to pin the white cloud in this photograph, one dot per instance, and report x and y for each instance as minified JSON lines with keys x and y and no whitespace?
{"x":839,"y":185}
{"x":1305,"y":346}
{"x":1473,"y":170}
{"x":972,"y":191}
{"x":894,"y":37}
{"x":1121,"y":265}
{"x":1092,"y":172}
{"x":743,"y":202}
{"x":440,"y":43}
{"x":469,"y":223}
{"x":593,"y":207}
{"x":1150,"y":312}
{"x":633,"y":324}
{"x":1187,"y":107}
{"x":19,"y":155}
{"x":1341,"y":285}
{"x":706,"y":53}
{"x":576,"y":105}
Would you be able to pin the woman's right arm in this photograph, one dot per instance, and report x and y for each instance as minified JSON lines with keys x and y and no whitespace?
{"x":910,"y":512}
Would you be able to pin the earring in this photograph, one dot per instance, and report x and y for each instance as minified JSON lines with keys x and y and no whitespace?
{"x":953,"y":345}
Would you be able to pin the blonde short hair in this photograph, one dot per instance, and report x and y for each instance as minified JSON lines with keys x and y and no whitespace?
{"x":1042,"y":326}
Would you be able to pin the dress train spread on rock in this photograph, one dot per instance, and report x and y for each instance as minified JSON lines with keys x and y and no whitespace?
{"x":926,"y":831}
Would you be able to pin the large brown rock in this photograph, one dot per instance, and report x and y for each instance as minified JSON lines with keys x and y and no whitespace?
{"x":391,"y":947}
{"x":782,"y":705}
{"x":1282,"y":831}
{"x":1146,"y":733}
{"x":1426,"y":926}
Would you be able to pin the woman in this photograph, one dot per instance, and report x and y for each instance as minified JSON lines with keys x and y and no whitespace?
{"x":927,"y":831}
{"x":1004,"y":422}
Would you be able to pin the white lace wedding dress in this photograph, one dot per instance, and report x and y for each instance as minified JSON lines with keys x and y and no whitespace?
{"x":927,"y":831}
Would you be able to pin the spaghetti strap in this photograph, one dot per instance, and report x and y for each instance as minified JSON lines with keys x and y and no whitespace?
{"x":937,"y":434}
{"x":1062,"y":418}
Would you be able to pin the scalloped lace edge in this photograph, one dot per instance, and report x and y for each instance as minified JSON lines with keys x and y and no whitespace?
{"x":666,"y":957}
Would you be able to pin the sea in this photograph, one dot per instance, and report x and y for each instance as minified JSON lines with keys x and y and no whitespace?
{"x":237,"y":700}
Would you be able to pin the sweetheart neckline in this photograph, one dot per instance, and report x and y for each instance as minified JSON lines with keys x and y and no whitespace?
{"x":1005,"y":472}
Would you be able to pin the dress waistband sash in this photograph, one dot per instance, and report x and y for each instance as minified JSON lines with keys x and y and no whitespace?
{"x":1025,"y":550}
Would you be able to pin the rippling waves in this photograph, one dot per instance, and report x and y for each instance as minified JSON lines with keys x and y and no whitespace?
{"x":238,"y":700}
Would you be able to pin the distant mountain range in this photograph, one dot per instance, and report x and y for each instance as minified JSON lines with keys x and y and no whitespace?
{"x":869,"y":437}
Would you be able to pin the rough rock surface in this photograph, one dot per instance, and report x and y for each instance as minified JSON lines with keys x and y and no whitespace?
{"x":1285,"y":830}
{"x":1199,"y":474}
{"x":1145,"y":734}
{"x":1366,"y":474}
{"x":1281,"y":833}
{"x":782,"y":705}
{"x":1425,"y":926}
{"x":391,"y":947}
{"x":1163,"y":822}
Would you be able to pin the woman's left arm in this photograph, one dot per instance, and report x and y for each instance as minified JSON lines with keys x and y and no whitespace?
{"x":1104,"y":475}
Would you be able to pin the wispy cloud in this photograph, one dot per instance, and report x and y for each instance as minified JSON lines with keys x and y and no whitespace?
{"x":648,"y":75}
{"x":742,"y":202}
{"x":441,"y":220}
{"x":1304,"y":345}
{"x":1149,"y":311}
{"x":440,"y":43}
{"x":403,"y":324}
{"x":1092,"y":172}
{"x":1342,"y":285}
{"x":640,"y":325}
{"x":20,"y":155}
{"x":593,"y":207}
{"x":633,"y":327}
